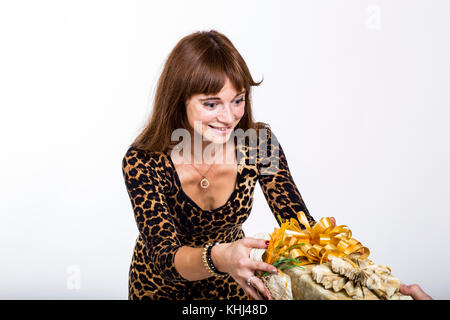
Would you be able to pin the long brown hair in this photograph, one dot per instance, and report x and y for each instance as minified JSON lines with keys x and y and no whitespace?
{"x":198,"y":64}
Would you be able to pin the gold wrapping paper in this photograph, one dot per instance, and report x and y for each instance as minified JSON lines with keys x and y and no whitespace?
{"x":323,"y":262}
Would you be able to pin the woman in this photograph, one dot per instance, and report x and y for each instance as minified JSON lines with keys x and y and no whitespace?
{"x":190,"y":198}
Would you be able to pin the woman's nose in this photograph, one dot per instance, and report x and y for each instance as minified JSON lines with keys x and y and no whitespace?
{"x":226,"y":115}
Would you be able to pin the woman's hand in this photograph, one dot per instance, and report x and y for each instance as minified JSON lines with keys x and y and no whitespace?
{"x":234,"y":259}
{"x":415,"y":291}
{"x":333,"y":220}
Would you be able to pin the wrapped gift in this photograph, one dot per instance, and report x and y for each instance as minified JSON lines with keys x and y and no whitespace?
{"x":322,"y":262}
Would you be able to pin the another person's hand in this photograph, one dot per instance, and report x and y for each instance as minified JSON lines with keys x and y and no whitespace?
{"x":415,"y":291}
{"x":234,"y":259}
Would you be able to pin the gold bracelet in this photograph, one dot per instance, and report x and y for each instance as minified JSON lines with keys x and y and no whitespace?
{"x":207,"y":261}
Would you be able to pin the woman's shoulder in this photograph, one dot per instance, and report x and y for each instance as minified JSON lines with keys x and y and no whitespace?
{"x":264,"y":133}
{"x":145,"y":159}
{"x":263,"y":129}
{"x":262,"y":125}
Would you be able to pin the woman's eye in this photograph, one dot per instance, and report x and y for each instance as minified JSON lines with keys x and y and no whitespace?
{"x":239,"y":101}
{"x":210,"y":105}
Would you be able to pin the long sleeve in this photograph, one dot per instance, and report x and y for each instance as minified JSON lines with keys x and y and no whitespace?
{"x":144,"y":181}
{"x":276,"y":181}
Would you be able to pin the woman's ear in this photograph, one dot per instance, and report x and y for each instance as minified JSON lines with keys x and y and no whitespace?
{"x":186,"y":101}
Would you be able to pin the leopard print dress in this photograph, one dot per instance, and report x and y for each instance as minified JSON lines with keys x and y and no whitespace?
{"x":168,"y":219}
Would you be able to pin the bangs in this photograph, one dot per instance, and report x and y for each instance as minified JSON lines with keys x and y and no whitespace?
{"x":210,"y":73}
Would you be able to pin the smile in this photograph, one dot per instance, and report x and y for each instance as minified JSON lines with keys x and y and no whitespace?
{"x":222,"y":130}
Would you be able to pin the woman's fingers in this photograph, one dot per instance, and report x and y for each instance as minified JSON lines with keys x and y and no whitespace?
{"x":258,"y":283}
{"x":262,"y":266}
{"x":249,"y":289}
{"x":261,"y":288}
{"x":256,"y":288}
{"x":256,"y":265}
{"x":414,"y":291}
{"x":333,"y":220}
{"x":252,"y":292}
{"x":255,"y":243}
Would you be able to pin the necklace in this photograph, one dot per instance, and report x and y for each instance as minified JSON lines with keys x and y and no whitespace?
{"x":204,"y":183}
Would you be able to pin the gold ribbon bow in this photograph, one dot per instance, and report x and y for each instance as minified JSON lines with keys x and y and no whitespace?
{"x":312,"y":245}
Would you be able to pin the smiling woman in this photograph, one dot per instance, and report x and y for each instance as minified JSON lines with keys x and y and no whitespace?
{"x":194,"y":74}
{"x":190,"y":213}
{"x":218,"y":115}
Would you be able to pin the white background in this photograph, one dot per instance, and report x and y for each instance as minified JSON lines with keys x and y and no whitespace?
{"x":357,"y":93}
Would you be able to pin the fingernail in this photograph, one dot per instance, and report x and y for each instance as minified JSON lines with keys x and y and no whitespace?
{"x":274,"y":270}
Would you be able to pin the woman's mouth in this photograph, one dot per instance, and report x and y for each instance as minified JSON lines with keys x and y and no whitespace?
{"x":221,"y":130}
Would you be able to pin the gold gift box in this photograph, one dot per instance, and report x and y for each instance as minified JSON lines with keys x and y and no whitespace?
{"x":323,"y":262}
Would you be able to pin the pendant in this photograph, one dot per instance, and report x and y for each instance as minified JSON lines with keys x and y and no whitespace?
{"x":204,"y":183}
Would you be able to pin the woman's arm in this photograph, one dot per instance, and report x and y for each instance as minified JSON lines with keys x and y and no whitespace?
{"x":232,"y":258}
{"x":276,"y":181}
{"x":156,"y":227}
{"x":189,"y":263}
{"x":155,"y":224}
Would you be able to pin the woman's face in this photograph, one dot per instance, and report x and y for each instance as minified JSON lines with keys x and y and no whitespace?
{"x":206,"y":114}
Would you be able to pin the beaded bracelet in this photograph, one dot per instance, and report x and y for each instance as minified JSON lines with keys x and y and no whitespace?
{"x":207,"y":260}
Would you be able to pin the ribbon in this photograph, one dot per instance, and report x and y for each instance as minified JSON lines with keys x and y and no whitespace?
{"x":295,"y":246}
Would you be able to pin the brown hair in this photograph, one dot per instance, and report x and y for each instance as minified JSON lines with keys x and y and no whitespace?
{"x":198,"y":64}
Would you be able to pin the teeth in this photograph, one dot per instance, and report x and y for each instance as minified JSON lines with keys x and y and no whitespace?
{"x":221,"y":129}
